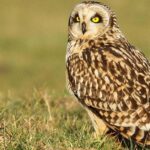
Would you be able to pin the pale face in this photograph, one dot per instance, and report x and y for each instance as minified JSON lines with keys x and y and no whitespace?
{"x":88,"y":21}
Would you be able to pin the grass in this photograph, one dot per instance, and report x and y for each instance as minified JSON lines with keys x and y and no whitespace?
{"x":44,"y":122}
{"x":36,"y":112}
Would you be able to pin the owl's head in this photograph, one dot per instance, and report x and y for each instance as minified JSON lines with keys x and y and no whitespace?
{"x":91,"y":19}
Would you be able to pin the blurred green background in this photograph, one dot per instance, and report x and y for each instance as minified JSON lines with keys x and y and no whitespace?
{"x":33,"y":38}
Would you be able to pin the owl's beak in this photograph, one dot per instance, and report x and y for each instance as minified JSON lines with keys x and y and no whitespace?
{"x":83,"y":27}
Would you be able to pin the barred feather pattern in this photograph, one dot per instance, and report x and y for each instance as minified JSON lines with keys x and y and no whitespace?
{"x":111,"y":78}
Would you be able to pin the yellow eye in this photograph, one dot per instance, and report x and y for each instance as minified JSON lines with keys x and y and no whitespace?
{"x":95,"y":19}
{"x":77,"y":19}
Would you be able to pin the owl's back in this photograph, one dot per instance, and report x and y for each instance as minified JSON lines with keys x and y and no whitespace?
{"x":112,"y":79}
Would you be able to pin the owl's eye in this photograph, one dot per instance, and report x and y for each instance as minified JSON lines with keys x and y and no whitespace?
{"x":96,"y":19}
{"x":76,"y":18}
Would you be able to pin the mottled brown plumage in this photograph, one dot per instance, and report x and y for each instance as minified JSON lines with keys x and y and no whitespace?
{"x":108,"y":76}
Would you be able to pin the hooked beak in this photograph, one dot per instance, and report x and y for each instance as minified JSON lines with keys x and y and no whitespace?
{"x":83,"y":27}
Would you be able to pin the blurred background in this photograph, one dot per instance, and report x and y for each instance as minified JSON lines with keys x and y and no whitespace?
{"x":33,"y":38}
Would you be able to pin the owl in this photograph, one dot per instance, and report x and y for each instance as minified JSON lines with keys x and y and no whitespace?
{"x":108,"y":76}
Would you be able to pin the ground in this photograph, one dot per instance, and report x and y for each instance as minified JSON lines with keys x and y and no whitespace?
{"x":42,"y":121}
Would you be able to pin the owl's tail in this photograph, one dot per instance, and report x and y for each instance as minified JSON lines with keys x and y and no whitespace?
{"x":140,"y":136}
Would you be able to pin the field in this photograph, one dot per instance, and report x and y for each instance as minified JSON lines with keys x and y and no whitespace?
{"x":36,"y":111}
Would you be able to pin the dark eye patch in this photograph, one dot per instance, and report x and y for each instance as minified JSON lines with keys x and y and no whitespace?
{"x":76,"y":18}
{"x":73,"y":19}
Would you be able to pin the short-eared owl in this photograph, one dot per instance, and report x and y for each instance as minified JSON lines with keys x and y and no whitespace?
{"x":107,"y":75}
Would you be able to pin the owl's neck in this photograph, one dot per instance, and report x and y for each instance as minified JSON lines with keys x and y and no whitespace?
{"x":77,"y":45}
{"x":109,"y":35}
